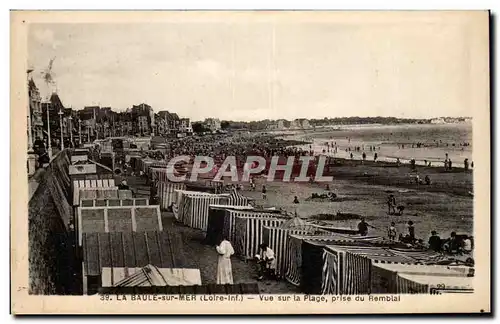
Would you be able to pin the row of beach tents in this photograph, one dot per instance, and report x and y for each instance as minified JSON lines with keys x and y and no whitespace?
{"x":318,"y":261}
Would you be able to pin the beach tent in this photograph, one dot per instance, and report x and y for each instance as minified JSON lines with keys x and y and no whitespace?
{"x":196,"y":208}
{"x":185,"y":207}
{"x":180,"y":202}
{"x":125,"y":194}
{"x":423,"y":256}
{"x":95,"y":193}
{"x":295,"y":222}
{"x":248,"y":230}
{"x":149,"y":276}
{"x":118,"y":219}
{"x":347,"y":269}
{"x":436,"y":285}
{"x":192,"y":207}
{"x":293,"y":256}
{"x":220,"y":222}
{"x":167,"y":192}
{"x":277,"y":239}
{"x":90,"y":186}
{"x":127,"y":251}
{"x":113,"y":202}
{"x":384,"y":275}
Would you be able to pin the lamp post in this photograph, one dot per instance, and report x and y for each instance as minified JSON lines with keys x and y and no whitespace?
{"x":71,"y":130}
{"x":49,"y":145}
{"x":79,"y":131}
{"x":60,"y":113}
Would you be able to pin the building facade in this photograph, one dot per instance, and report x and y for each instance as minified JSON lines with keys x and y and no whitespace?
{"x":213,"y":124}
{"x":185,"y":126}
{"x":35,"y":111}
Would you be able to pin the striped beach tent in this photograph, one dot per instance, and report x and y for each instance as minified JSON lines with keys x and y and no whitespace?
{"x":178,"y":204}
{"x":293,"y":256}
{"x":347,"y":269}
{"x":248,"y":230}
{"x":182,"y":205}
{"x":167,"y":194}
{"x":196,"y":207}
{"x":236,"y":199}
{"x":277,"y":239}
{"x":196,"y":213}
{"x":425,"y":256}
{"x":166,"y":189}
{"x":220,"y":222}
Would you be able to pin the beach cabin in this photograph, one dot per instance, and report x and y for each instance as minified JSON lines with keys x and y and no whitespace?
{"x":118,"y":219}
{"x":384,"y":276}
{"x":114,"y":202}
{"x":248,"y":230}
{"x":220,"y":222}
{"x":277,"y":239}
{"x":434,"y":285}
{"x":113,"y":258}
{"x":294,"y":252}
{"x":348,"y":269}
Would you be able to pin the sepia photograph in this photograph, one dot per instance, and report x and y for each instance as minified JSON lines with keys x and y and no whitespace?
{"x":274,"y":162}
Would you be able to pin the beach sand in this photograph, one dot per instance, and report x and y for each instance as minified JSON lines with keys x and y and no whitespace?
{"x":362,"y":189}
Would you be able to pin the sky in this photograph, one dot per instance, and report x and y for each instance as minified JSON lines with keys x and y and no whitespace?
{"x":241,"y":71}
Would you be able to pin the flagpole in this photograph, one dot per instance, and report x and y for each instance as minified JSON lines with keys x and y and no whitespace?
{"x":95,"y":127}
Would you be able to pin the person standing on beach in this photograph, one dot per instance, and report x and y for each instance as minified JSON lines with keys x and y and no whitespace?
{"x":352,"y":156}
{"x":391,"y":232}
{"x":466,"y":164}
{"x":391,"y":203}
{"x":375,"y":157}
{"x":264,"y":191}
{"x":295,"y":200}
{"x":364,"y":156}
{"x":411,"y":231}
{"x":224,"y":269}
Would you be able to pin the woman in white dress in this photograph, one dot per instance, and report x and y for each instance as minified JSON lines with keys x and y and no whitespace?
{"x":224,"y":269}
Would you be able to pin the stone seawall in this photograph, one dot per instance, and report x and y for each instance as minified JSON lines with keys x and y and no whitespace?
{"x":50,"y":247}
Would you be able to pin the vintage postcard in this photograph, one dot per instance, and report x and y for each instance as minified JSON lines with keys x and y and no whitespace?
{"x":250,"y":162}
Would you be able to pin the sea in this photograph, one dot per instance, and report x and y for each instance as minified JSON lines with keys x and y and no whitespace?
{"x":423,"y":142}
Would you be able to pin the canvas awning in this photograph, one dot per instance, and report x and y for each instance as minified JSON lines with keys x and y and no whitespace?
{"x":149,"y":276}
